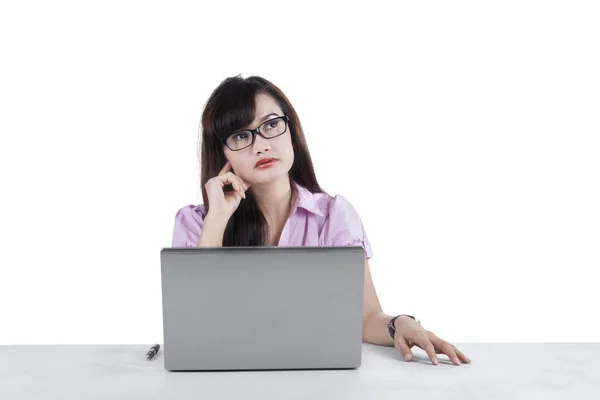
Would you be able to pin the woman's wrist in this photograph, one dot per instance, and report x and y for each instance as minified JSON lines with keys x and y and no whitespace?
{"x":404,"y":316}
{"x":216,"y":219}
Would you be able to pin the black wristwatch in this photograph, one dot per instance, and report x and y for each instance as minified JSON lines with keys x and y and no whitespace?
{"x":391,"y":326}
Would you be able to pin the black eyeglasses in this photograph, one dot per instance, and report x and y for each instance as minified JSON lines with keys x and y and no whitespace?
{"x":270,"y":129}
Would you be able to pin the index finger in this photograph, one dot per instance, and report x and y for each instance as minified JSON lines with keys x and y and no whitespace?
{"x":225,"y":168}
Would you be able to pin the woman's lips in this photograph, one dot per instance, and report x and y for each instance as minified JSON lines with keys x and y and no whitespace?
{"x":263,"y":164}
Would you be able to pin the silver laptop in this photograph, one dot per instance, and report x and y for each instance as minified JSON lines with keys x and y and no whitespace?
{"x":262,"y":308}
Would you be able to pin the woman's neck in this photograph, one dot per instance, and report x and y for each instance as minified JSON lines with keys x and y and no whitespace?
{"x":274,"y":200}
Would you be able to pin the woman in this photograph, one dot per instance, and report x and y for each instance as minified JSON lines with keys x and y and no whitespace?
{"x":253,"y":143}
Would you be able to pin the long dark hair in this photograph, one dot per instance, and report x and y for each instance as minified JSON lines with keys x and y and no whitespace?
{"x":230,"y":107}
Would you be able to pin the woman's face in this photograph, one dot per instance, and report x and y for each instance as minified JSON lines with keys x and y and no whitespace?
{"x":244,"y":161}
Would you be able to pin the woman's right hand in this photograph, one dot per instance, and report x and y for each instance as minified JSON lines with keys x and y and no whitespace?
{"x":223,"y":204}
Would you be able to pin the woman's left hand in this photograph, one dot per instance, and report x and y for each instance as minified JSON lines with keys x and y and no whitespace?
{"x":410,"y":333}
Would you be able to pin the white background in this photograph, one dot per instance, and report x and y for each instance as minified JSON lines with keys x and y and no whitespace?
{"x":466,"y":134}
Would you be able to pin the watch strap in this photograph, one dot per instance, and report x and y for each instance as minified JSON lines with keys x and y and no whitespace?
{"x":392,"y":328}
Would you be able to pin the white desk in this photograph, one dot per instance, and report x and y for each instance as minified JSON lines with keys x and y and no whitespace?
{"x":498,"y":371}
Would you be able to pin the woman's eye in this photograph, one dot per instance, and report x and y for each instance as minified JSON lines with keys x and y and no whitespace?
{"x":272,"y":125}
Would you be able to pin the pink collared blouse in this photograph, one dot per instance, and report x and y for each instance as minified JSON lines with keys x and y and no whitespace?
{"x":316,"y":219}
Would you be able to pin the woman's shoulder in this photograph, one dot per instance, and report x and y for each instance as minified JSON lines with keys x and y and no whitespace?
{"x":188,"y":224}
{"x":333,"y":205}
{"x":191,"y":212}
{"x":341,"y":223}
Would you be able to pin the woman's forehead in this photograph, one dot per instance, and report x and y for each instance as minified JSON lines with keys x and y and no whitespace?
{"x":266,"y":108}
{"x":265,"y":104}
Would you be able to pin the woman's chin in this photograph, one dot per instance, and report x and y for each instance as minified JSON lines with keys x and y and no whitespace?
{"x":270,"y":177}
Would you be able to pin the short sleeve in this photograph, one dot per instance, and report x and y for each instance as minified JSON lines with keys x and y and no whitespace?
{"x":343,"y":226}
{"x":188,"y":224}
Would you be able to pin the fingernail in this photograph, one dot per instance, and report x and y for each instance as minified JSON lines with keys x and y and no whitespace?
{"x":435,"y":361}
{"x":407,"y":357}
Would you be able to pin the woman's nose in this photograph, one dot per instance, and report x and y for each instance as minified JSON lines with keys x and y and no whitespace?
{"x":261,"y":144}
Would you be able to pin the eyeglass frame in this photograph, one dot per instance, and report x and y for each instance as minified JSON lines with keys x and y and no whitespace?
{"x":256,"y":131}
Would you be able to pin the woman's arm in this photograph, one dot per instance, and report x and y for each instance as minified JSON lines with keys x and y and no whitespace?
{"x":375,"y":321}
{"x":212,"y":231}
